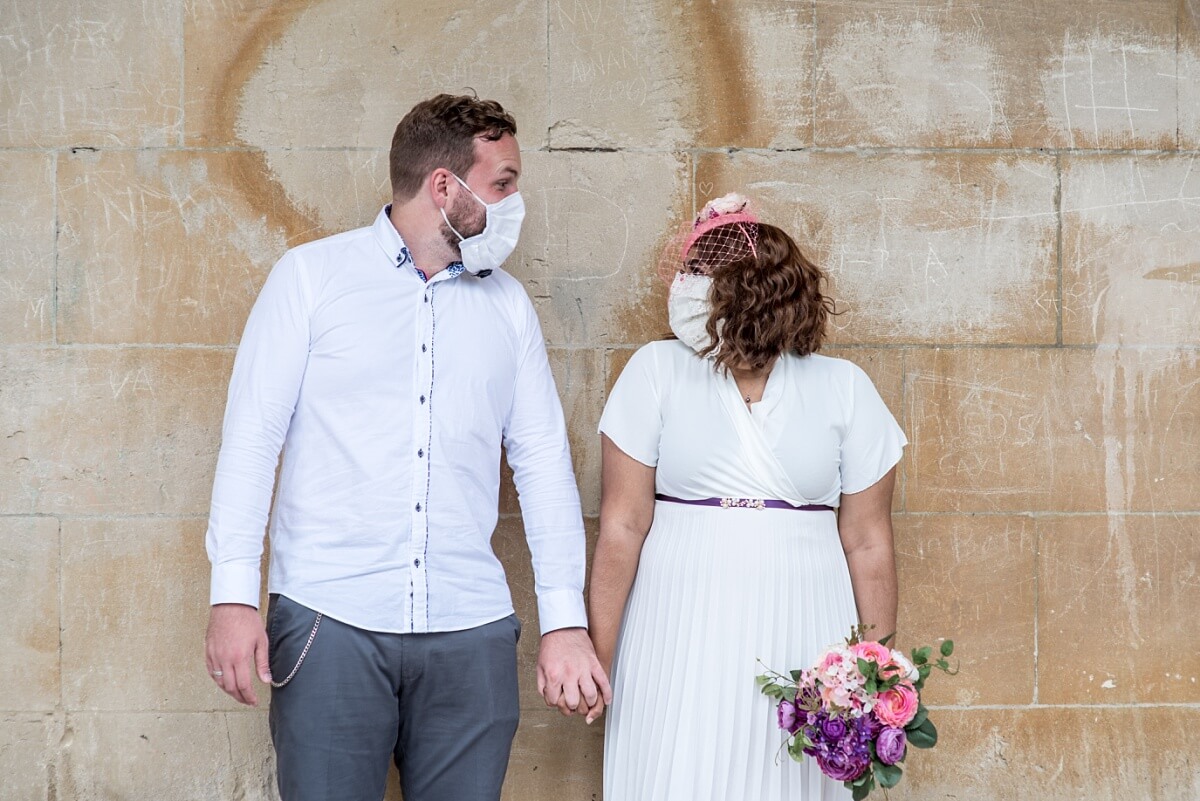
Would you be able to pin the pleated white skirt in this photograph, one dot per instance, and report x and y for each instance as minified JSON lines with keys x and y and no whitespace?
{"x":716,"y":591}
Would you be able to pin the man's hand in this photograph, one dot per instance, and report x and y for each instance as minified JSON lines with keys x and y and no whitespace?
{"x":235,"y":647}
{"x":570,"y":676}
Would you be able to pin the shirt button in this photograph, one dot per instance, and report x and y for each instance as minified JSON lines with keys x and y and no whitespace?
{"x":422,"y":348}
{"x":416,"y":563}
{"x":418,"y":507}
{"x":422,"y":399}
{"x":421,"y":453}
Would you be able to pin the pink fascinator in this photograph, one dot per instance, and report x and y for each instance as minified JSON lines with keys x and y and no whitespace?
{"x":725,"y":231}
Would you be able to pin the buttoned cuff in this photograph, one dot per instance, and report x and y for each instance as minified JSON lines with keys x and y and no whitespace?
{"x":235,"y":584}
{"x":561,"y":609}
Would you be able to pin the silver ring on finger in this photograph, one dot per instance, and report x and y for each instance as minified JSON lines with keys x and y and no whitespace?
{"x":216,"y":674}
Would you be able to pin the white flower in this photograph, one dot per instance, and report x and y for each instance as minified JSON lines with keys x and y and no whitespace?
{"x":726,"y":204}
{"x":910,"y":672}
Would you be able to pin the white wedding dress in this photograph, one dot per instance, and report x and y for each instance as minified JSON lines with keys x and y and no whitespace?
{"x":719,"y":589}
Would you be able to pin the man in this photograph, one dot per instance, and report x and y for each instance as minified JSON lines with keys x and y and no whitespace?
{"x":390,"y":364}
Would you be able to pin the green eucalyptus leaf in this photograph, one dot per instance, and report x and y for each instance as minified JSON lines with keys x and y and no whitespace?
{"x":947,"y":647}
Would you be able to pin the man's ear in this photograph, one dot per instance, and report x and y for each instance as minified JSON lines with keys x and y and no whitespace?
{"x":439,"y":187}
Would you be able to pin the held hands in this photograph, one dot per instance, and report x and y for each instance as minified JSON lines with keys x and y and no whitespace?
{"x":235,"y":648}
{"x":570,"y":676}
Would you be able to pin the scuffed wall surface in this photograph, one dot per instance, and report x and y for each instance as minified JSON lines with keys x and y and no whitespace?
{"x":1006,"y":197}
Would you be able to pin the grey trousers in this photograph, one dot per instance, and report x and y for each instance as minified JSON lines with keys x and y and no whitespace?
{"x":443,"y":706}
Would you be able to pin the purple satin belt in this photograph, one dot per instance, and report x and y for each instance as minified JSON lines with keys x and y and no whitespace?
{"x":746,"y":503}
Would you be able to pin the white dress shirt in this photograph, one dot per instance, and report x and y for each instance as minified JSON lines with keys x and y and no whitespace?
{"x":391,"y":397}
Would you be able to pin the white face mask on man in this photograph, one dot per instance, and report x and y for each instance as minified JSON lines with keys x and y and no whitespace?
{"x":688,"y":309}
{"x":488,"y":249}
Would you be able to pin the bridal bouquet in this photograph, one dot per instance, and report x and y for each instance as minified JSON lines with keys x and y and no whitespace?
{"x":857,"y":710}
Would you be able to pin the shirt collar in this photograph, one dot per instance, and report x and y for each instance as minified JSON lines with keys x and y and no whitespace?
{"x":393,"y":245}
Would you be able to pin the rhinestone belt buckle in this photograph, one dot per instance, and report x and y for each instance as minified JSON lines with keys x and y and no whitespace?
{"x":743,"y":503}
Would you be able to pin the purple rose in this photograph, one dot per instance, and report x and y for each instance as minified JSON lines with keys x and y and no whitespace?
{"x":891,"y":745}
{"x":834,"y":729}
{"x":787,"y":716}
{"x":843,"y":767}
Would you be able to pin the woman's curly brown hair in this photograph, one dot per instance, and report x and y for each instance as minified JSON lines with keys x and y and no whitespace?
{"x":765,"y":304}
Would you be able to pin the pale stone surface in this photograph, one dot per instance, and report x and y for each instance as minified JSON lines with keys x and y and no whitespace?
{"x":26,"y":248}
{"x":106,"y":431}
{"x":657,"y":74}
{"x":29,"y":640}
{"x":28,"y":752}
{"x":555,"y":757}
{"x":919,"y":248}
{"x":302,"y":74}
{"x":83,"y":72}
{"x":595,"y":227}
{"x":158,"y":247}
{"x":1025,"y":74}
{"x":1052,"y":430}
{"x":143,"y":584}
{"x":332,"y":190}
{"x":170,"y":755}
{"x":1055,"y":754}
{"x":970,"y":579}
{"x":1026,"y":405}
{"x":1131,"y":250}
{"x":1133,"y":578}
{"x":1189,"y":74}
{"x":168,"y":247}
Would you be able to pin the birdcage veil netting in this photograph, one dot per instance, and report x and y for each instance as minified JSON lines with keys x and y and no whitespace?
{"x":724,"y":232}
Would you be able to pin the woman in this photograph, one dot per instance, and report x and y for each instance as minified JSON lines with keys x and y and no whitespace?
{"x":746,"y":516}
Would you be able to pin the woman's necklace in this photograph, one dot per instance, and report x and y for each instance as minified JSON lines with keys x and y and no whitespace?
{"x":753,"y":383}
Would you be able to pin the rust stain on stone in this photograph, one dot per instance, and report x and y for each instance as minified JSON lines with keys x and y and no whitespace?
{"x":721,"y":91}
{"x":257,"y":184}
{"x":1184,"y":274}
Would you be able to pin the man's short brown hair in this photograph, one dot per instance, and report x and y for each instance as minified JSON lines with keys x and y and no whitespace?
{"x":441,"y":132}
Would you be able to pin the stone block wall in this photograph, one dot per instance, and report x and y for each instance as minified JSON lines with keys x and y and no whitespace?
{"x":1005,"y":195}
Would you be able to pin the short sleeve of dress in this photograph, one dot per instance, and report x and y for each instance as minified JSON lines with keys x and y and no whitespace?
{"x":632,"y":416}
{"x":874,"y":440}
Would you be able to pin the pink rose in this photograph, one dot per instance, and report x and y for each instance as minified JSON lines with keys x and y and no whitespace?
{"x":872,"y":651}
{"x":897,"y":706}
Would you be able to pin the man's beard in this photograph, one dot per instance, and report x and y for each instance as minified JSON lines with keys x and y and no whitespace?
{"x":467,"y":216}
